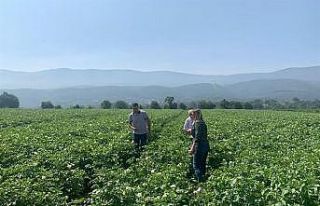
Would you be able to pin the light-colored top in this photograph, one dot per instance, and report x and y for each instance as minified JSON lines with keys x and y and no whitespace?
{"x":188,"y":124}
{"x":139,"y":120}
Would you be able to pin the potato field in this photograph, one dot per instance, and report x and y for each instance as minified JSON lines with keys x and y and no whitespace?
{"x":85,"y":157}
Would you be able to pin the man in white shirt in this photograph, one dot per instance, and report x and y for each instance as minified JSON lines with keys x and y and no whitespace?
{"x":140,"y":124}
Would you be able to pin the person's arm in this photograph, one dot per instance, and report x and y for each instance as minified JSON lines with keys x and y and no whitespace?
{"x":130,"y":123}
{"x":131,"y":127}
{"x":195,"y":138}
{"x":185,"y":127}
{"x":148,"y":123}
{"x":192,"y":148}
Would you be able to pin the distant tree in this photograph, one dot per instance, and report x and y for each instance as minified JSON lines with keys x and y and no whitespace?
{"x":224,"y":104}
{"x":202,"y":104}
{"x":174,"y":105}
{"x":169,"y":103}
{"x":8,"y":101}
{"x":47,"y":105}
{"x":105,"y":104}
{"x":296,"y":103}
{"x":193,"y":104}
{"x":296,"y":99}
{"x":247,"y":105}
{"x":210,"y":105}
{"x":121,"y":105}
{"x":272,"y":104}
{"x":154,"y":105}
{"x":236,"y":105}
{"x":316,"y":104}
{"x":57,"y":107}
{"x":182,"y":106}
{"x":287,"y":105}
{"x":77,"y":106}
{"x":257,"y":104}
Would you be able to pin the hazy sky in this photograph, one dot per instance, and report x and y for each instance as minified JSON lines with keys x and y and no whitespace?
{"x":199,"y":36}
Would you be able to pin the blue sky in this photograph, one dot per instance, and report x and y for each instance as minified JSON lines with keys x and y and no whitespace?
{"x":193,"y":36}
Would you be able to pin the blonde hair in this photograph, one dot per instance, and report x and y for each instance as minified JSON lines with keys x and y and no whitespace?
{"x":190,"y":111}
{"x":198,"y":113}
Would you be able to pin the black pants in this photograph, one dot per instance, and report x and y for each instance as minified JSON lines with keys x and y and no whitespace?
{"x":139,"y":140}
{"x":199,"y":163}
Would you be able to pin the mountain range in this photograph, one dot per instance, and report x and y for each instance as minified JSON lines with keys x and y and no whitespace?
{"x":89,"y":87}
{"x":64,"y":77}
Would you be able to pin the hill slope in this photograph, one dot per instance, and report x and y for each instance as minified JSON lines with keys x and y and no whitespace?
{"x":279,"y":89}
{"x":62,"y":78}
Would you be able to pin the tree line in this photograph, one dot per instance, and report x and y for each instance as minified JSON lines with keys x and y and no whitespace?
{"x":11,"y":101}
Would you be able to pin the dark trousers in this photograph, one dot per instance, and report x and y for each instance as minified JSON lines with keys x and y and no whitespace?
{"x":199,"y":163}
{"x":190,"y":171}
{"x":139,"y":140}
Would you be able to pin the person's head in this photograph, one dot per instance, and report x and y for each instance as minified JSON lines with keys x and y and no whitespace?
{"x":190,"y":111}
{"x":197,"y":115}
{"x":135,"y":107}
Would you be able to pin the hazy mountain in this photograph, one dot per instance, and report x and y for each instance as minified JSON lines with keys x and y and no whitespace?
{"x":278,"y":89}
{"x":95,"y":95}
{"x":89,"y":87}
{"x":62,"y":78}
{"x":309,"y":74}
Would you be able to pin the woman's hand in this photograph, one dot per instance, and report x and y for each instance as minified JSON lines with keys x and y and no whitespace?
{"x":191,"y":151}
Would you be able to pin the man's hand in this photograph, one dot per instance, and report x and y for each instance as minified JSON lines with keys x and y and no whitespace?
{"x":187,"y":132}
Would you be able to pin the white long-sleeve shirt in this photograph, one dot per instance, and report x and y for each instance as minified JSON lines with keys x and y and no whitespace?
{"x":188,"y":124}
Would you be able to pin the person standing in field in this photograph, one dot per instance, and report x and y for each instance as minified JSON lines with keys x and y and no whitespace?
{"x":187,"y":127}
{"x":200,"y":145}
{"x":140,"y":125}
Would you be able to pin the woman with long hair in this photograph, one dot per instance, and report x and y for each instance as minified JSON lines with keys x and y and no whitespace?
{"x":200,"y":145}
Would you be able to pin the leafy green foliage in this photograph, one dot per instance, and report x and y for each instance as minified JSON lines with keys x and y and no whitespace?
{"x":85,"y":157}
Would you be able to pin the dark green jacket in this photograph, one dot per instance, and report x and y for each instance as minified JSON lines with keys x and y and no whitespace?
{"x":200,"y":135}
